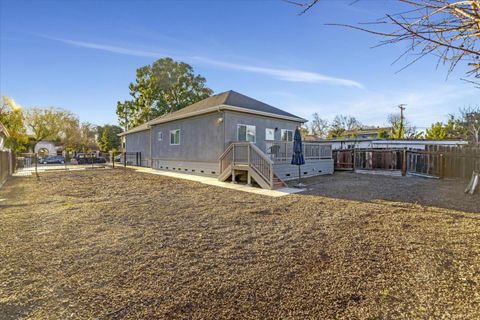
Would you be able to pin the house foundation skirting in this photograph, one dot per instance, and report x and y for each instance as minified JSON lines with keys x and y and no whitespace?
{"x":193,"y":167}
{"x":283,"y":171}
{"x":311,"y":168}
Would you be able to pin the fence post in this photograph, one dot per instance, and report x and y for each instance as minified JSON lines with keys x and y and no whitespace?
{"x":124,"y":159}
{"x":112,"y":158}
{"x":354,"y":159}
{"x":36,"y":161}
{"x":140,"y":159}
{"x":404,"y":163}
{"x":442,"y":166}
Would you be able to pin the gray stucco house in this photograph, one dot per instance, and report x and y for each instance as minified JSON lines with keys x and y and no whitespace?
{"x":230,"y":136}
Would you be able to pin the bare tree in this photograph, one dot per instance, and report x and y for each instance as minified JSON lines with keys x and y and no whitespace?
{"x":342,"y":123}
{"x":446,"y":29}
{"x":345,"y":122}
{"x":319,"y":126}
{"x":471,"y":122}
{"x":401,"y":129}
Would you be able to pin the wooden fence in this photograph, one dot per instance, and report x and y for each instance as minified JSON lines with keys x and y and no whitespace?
{"x":6,"y":165}
{"x":378,"y":159}
{"x":449,"y":163}
{"x":343,"y":159}
{"x":435,"y":161}
{"x":368,"y":159}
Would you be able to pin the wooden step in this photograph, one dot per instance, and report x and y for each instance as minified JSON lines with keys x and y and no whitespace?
{"x":278,"y":183}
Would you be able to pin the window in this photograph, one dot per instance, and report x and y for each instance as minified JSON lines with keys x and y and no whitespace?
{"x":287,"y":135}
{"x":175,"y":137}
{"x":246,"y":133}
{"x":269,"y":134}
{"x":160,"y":136}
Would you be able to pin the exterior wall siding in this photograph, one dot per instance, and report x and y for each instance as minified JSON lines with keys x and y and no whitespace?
{"x":139,"y":142}
{"x":204,"y":138}
{"x":232,"y":119}
{"x":201,"y":139}
{"x":312,"y":168}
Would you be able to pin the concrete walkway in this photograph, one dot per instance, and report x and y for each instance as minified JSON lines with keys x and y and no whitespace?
{"x":60,"y":167}
{"x":214,"y":182}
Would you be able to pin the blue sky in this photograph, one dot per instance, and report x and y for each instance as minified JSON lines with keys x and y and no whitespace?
{"x":81,"y":56}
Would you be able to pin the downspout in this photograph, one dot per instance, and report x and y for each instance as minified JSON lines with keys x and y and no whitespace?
{"x":224,"y":131}
{"x":151,"y":156}
{"x":222,"y":113}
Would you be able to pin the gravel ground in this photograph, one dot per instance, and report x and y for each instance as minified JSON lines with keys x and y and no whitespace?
{"x":118,"y":244}
{"x":448,"y":193}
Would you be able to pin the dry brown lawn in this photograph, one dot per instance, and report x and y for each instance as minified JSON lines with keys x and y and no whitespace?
{"x":117,"y":244}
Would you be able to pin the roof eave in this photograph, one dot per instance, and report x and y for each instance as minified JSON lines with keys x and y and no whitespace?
{"x":134,"y":130}
{"x":267,"y":114}
{"x":210,"y":110}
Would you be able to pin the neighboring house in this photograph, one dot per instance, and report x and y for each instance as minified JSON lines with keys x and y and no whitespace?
{"x":364,"y":133}
{"x":227,"y":135}
{"x":418,"y":144}
{"x":47,"y":148}
{"x":3,"y":135}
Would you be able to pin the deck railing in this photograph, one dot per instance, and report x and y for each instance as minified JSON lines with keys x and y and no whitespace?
{"x":247,"y":154}
{"x":282,"y":151}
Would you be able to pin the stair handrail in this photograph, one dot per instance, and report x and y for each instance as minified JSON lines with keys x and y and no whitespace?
{"x":223,"y":157}
{"x":267,"y":176}
{"x":264,"y":169}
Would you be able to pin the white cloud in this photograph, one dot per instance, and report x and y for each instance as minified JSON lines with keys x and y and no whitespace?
{"x":291,"y":75}
{"x":113,"y":49}
{"x":285,"y":74}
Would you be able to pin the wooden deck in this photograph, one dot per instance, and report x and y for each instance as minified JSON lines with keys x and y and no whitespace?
{"x":246,"y":158}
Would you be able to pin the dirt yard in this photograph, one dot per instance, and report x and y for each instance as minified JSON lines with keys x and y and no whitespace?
{"x":115,"y":244}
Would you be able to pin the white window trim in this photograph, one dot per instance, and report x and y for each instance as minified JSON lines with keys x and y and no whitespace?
{"x":282,"y":134}
{"x":160,"y":136}
{"x":173,"y":131}
{"x":273,"y":130}
{"x":247,"y":125}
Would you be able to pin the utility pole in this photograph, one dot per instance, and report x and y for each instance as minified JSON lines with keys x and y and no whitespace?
{"x":402,"y":130}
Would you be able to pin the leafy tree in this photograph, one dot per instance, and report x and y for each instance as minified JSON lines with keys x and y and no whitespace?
{"x":49,"y":123}
{"x":109,"y":138}
{"x":12,"y":117}
{"x":438,"y":131}
{"x":402,"y":130}
{"x":104,"y":142}
{"x":87,"y":138}
{"x":62,"y":126}
{"x":382,"y":134}
{"x":160,"y":88}
{"x":128,"y":114}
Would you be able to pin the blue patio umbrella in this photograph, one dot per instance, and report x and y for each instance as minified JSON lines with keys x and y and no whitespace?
{"x":297,"y":157}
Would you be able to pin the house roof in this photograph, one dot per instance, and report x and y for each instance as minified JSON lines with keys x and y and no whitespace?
{"x":229,"y":100}
{"x":360,"y":131}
